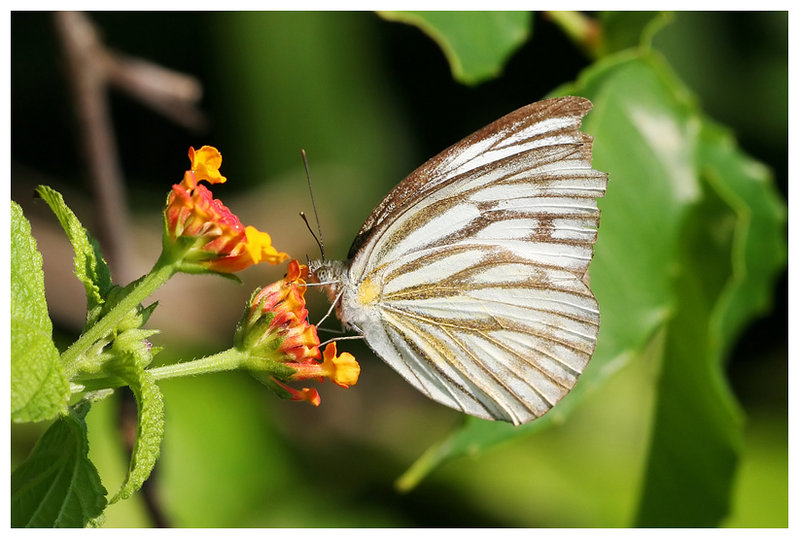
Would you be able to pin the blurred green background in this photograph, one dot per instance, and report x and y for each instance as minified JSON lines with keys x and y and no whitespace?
{"x":369,"y":100}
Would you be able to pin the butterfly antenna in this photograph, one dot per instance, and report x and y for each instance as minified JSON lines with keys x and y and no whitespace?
{"x":317,"y":240}
{"x":314,"y":206}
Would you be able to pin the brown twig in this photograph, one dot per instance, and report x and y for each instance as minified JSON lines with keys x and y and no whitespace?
{"x":173,"y":95}
{"x":91,"y":68}
{"x":82,"y":49}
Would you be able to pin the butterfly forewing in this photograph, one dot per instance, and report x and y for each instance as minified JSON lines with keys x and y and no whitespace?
{"x":468,"y":278}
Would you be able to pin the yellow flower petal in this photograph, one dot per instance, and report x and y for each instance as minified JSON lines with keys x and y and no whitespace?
{"x":347,"y":370}
{"x":259,"y":246}
{"x":343,"y":369}
{"x":206,"y":163}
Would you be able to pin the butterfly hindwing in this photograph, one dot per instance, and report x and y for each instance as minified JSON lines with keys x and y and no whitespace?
{"x":495,"y":339}
{"x":468,"y":277}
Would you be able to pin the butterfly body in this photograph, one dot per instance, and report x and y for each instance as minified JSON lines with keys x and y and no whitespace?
{"x":469,"y":278}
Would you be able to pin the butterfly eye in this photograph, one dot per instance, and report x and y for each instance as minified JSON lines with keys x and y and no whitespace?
{"x":324,"y":274}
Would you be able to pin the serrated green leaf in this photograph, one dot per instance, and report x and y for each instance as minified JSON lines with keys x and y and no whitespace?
{"x":150,"y":426}
{"x":477,"y":44}
{"x":39,"y":390}
{"x":89,"y":266}
{"x":665,"y":264}
{"x":58,"y":486}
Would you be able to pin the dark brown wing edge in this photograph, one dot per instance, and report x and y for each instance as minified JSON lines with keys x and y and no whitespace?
{"x":420,"y":182}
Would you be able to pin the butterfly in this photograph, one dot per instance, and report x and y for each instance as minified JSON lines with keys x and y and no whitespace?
{"x":470,"y":278}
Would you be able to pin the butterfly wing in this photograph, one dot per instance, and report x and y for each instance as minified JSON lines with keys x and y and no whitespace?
{"x":468,"y":278}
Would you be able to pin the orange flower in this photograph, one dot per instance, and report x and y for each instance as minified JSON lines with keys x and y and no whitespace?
{"x":206,"y":163}
{"x":342,"y":369}
{"x":306,"y":394}
{"x":275,"y":328}
{"x":284,"y":304}
{"x":213,"y":238}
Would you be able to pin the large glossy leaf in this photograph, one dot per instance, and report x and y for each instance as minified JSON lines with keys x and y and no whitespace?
{"x":734,"y":244}
{"x":651,"y":274}
{"x":39,"y":390}
{"x":650,"y":187}
{"x":477,"y":44}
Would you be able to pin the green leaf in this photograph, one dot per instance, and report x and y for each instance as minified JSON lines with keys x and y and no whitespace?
{"x":695,"y":438}
{"x":647,"y":198}
{"x":150,"y":427}
{"x":89,"y":266}
{"x":57,"y":486}
{"x":472,"y":438}
{"x":39,"y":390}
{"x":689,"y":243}
{"x":611,"y":31}
{"x":733,"y":251}
{"x":476,"y":44}
{"x":758,"y":249}
{"x":621,"y":30}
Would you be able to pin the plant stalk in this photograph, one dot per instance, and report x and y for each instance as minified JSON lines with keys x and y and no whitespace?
{"x":72,"y":357}
{"x":227,"y":360}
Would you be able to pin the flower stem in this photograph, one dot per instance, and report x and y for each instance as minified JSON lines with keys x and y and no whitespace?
{"x":72,"y":357}
{"x":226,"y":360}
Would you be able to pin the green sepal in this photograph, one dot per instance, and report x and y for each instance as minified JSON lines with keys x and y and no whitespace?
{"x":269,"y":381}
{"x":263,"y":364}
{"x":175,"y":252}
{"x":146,"y":312}
{"x":134,"y":344}
{"x":253,"y":327}
{"x":126,"y":337}
{"x":198,"y":268}
{"x":257,"y":338}
{"x":95,"y":359}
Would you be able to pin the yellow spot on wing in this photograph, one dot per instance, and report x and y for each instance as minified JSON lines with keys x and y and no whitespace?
{"x":369,"y":291}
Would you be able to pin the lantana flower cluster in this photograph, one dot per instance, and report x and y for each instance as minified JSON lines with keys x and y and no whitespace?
{"x":274,"y":339}
{"x":216,"y":239}
{"x":276,"y":328}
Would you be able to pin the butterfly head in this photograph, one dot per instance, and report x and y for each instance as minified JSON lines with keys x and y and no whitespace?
{"x":331,"y":275}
